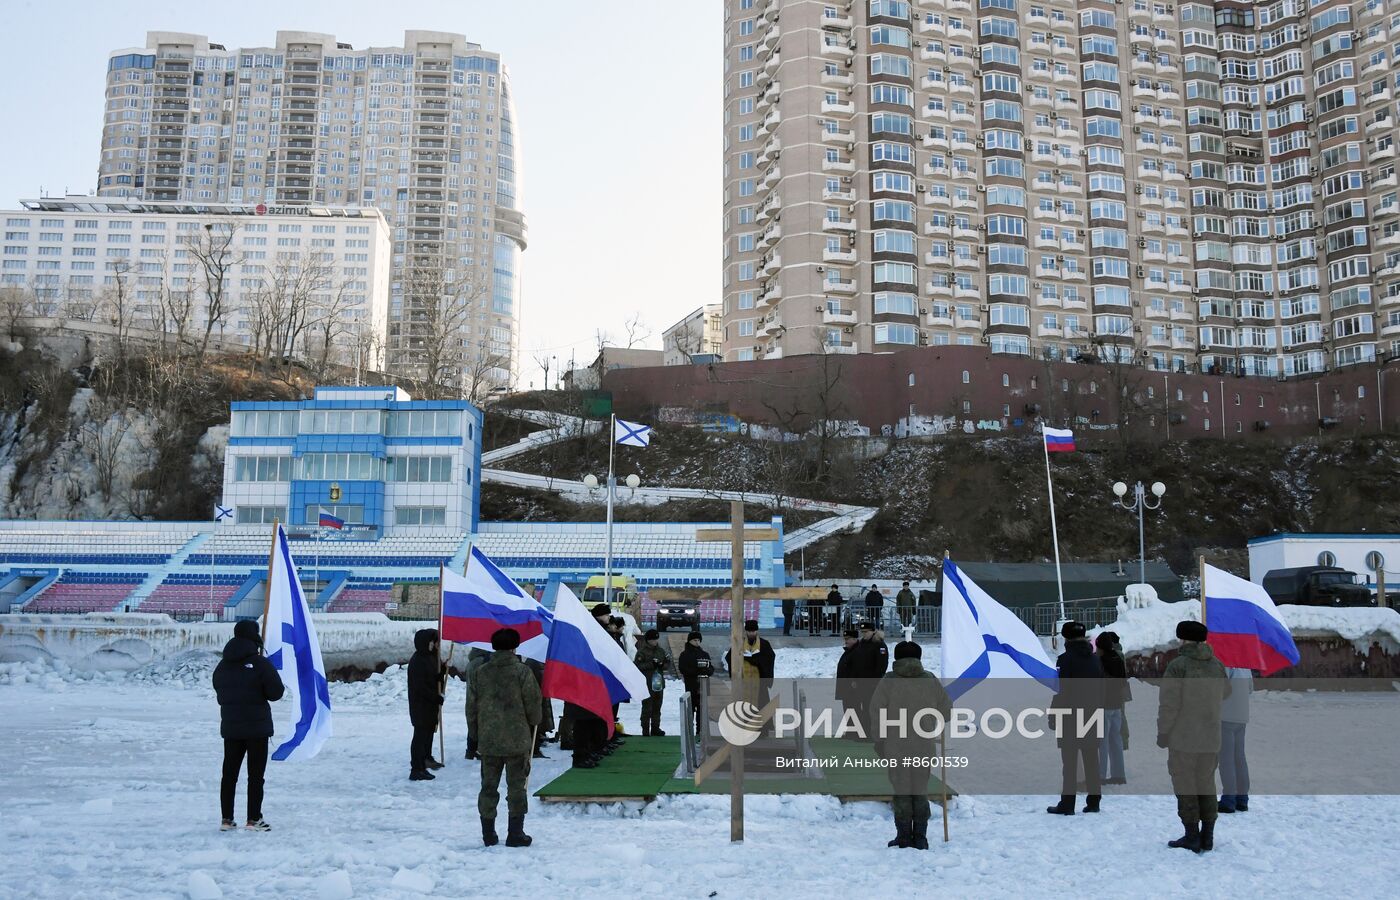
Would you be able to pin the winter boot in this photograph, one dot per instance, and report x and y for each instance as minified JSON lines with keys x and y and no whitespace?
{"x":488,"y":833}
{"x":1064,"y":808}
{"x":258,"y":825}
{"x":421,"y":775}
{"x":1227,"y":803}
{"x":1242,"y":803}
{"x":1091,"y":804}
{"x":903,"y":833}
{"x":516,"y":836}
{"x":1191,"y":840}
{"x":918,"y":838}
{"x":1207,"y":836}
{"x":433,"y":764}
{"x":539,"y":754}
{"x":657,"y":732}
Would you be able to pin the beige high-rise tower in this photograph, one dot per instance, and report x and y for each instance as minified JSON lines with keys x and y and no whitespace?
{"x":1183,"y":185}
{"x":424,"y":131}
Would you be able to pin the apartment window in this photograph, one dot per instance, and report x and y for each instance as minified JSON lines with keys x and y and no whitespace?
{"x":420,"y":515}
{"x":419,"y":469}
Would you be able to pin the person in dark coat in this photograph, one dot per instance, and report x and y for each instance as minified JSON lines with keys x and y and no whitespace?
{"x":546,"y":708}
{"x":245,"y":684}
{"x":875,"y":607}
{"x":1080,"y":698}
{"x":845,"y":681}
{"x":834,"y":602}
{"x":694,"y":664}
{"x":1116,"y":694}
{"x":475,"y":660}
{"x":424,"y":701}
{"x":870,"y":660}
{"x":906,"y":601}
{"x":789,"y":613}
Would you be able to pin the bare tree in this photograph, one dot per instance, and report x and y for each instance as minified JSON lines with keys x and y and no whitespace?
{"x":438,"y":303}
{"x":281,"y":307}
{"x":79,"y":303}
{"x":212,"y":252}
{"x":636,"y":330}
{"x":117,"y":301}
{"x":15,"y":304}
{"x":484,"y":370}
{"x":543,"y":360}
{"x":330,"y":324}
{"x":173,"y":315}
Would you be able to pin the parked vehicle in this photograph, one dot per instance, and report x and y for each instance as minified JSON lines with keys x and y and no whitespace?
{"x":624,"y":592}
{"x":677,"y":614}
{"x":1317,"y":586}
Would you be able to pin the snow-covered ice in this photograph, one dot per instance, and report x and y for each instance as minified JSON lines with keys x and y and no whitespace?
{"x":350,"y":823}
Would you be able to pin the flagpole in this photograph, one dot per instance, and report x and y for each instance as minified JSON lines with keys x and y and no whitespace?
{"x":442,"y":681}
{"x":607,"y":565}
{"x":267,"y":591}
{"x":1054,"y":532}
{"x":1201,"y":563}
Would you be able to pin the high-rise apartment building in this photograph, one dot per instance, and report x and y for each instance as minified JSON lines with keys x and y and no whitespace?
{"x":425,"y":132}
{"x":1207,"y":184}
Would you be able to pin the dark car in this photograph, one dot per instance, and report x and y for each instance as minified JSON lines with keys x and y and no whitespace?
{"x":1317,"y":586}
{"x":678,"y":614}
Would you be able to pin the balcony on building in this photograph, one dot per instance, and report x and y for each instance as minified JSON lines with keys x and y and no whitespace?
{"x":845,"y":194}
{"x":837,"y":79}
{"x":838,"y":165}
{"x":839,"y":285}
{"x":969,"y":202}
{"x":1049,"y":331}
{"x":771,"y":264}
{"x":842,"y":136}
{"x":837,"y":48}
{"x":769,"y":151}
{"x":839,"y":223}
{"x":937,"y":317}
{"x":842,"y":347}
{"x":771,"y":324}
{"x":770,"y":66}
{"x":838,"y":256}
{"x":924,"y":26}
{"x":963,"y":146}
{"x":832,"y":314}
{"x":771,"y":295}
{"x":770,"y":93}
{"x":773,"y":176}
{"x":938,"y":289}
{"x":932,"y":141}
{"x":971,"y":292}
{"x":933,"y":51}
{"x":965,"y":261}
{"x":1044,"y":242}
{"x":958,"y":5}
{"x":770,"y":206}
{"x":962,"y":118}
{"x":839,"y":108}
{"x":770,"y":122}
{"x":770,"y":235}
{"x":936,"y":199}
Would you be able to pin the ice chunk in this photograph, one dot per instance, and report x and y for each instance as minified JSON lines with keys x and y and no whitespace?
{"x":102,"y":806}
{"x":336,"y":886}
{"x":202,"y":887}
{"x":409,"y":880}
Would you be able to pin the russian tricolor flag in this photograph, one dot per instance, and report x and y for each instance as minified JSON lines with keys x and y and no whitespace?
{"x":326,"y":520}
{"x":1057,"y":440}
{"x":483,"y":601}
{"x":585,"y":666}
{"x":1246,"y":630}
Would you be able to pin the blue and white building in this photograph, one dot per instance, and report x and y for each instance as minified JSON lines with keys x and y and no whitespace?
{"x":373,"y":456}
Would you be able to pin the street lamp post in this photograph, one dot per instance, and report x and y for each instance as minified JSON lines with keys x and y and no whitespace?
{"x":1139,"y":504}
{"x":591,"y":482}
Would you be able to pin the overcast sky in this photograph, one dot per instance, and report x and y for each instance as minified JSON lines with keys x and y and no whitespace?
{"x":619,"y":107}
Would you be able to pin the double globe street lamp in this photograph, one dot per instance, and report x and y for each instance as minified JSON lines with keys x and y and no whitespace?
{"x":591,"y":482}
{"x":1140,"y":503}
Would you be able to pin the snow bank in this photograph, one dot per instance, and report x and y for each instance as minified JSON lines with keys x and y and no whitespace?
{"x":1148,"y":625}
{"x":132,"y":642}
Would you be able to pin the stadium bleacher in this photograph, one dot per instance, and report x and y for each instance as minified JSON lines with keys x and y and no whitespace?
{"x":85,"y":592}
{"x":363,"y":596}
{"x":92,"y":543}
{"x":189,"y":596}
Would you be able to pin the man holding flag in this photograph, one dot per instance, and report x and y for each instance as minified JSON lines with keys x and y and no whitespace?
{"x":503,"y":710}
{"x":295,"y":652}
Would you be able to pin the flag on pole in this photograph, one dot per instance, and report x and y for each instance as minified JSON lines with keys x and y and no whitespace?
{"x":483,"y":601}
{"x":631,"y":434}
{"x":585,"y":666}
{"x":294,"y":650}
{"x":983,"y":639}
{"x":1246,"y":630}
{"x":1058,"y":440}
{"x":326,"y":520}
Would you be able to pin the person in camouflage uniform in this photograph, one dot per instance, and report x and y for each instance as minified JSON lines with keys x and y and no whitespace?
{"x":475,"y":660}
{"x":901,"y":695}
{"x":652,"y":660}
{"x":503,"y":707}
{"x":1194,"y":687}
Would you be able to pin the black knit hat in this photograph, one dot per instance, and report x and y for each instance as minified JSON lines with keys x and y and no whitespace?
{"x":751,"y":625}
{"x":601,"y":609}
{"x":694,"y":636}
{"x":1072,"y":630}
{"x":908,"y":650}
{"x":505,"y":639}
{"x":850,"y":633}
{"x":1191,"y":631}
{"x":247,"y":628}
{"x":652,"y":634}
{"x":1106,"y":639}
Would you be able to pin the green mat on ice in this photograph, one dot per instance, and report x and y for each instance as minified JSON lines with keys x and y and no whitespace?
{"x":643,"y":768}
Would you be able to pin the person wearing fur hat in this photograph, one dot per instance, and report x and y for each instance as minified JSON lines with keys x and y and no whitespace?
{"x":900,"y":696}
{"x":1081,"y":696}
{"x":424,"y":701}
{"x":695,"y":664}
{"x":503,"y":702}
{"x":1194,"y":687}
{"x":846,"y":692}
{"x":1117,"y":693}
{"x":245,"y":684}
{"x":870,"y":660}
{"x":653,"y":662}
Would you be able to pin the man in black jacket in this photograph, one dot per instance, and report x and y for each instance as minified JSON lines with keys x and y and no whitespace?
{"x":424,"y":701}
{"x":845,"y":681}
{"x":870,"y":660}
{"x":1080,"y":697}
{"x":245,"y":684}
{"x":875,"y":608}
{"x":758,"y":660}
{"x":694,"y":663}
{"x":834,"y":601}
